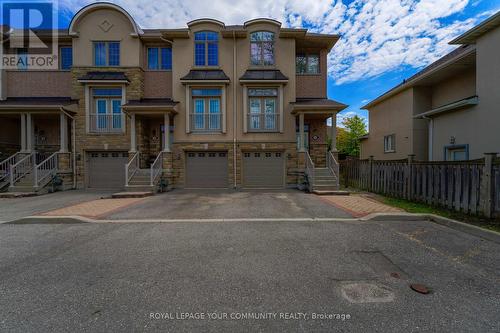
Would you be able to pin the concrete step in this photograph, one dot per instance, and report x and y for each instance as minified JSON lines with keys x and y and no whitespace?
{"x":12,"y":195}
{"x":331,"y":182}
{"x":325,"y":187}
{"x":140,"y":188}
{"x":139,"y":182}
{"x":132,"y":194}
{"x":21,"y":189}
{"x":330,"y":192}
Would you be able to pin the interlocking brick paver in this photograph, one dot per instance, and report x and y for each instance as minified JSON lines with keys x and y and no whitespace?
{"x":94,"y":208}
{"x":359,"y":205}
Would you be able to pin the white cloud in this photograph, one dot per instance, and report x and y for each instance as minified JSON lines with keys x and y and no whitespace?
{"x":377,"y":35}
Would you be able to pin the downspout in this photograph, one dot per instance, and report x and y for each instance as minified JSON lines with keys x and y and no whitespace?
{"x":73,"y":146}
{"x":431,"y":137}
{"x":235,"y":114}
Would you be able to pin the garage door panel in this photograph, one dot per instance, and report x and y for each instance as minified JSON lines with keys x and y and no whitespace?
{"x":106,"y":169}
{"x":263,"y":169}
{"x":206,"y":170}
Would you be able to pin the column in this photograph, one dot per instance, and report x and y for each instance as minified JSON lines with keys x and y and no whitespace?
{"x":302,"y":146}
{"x":63,"y":133}
{"x":133,"y":144}
{"x":166,"y":133}
{"x":333,"y":132}
{"x":29,"y":132}
{"x":23,"y":132}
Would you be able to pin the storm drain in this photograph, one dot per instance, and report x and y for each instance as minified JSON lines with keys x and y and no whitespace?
{"x":364,"y":292}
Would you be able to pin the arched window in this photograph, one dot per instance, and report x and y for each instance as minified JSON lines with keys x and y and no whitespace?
{"x":206,"y":48}
{"x":262,"y":48}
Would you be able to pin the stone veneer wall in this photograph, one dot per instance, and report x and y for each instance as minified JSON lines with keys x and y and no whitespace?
{"x":101,"y":142}
{"x":318,"y":148}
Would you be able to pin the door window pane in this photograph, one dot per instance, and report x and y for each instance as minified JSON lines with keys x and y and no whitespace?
{"x":101,"y":113}
{"x":117,"y":119}
{"x":199,"y":109}
{"x":214,"y":120}
{"x":255,"y":113}
{"x":270,"y":110}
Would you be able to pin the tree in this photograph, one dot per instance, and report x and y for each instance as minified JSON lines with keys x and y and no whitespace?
{"x":348,"y":141}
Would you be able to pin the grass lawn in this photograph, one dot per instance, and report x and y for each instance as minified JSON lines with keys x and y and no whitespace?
{"x":419,"y":208}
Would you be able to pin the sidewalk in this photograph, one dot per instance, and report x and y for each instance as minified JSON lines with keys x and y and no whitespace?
{"x":359,"y":205}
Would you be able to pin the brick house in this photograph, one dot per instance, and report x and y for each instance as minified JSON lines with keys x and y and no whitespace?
{"x":207,"y":106}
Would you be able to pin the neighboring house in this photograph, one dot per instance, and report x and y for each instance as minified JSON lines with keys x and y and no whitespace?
{"x":449,"y":110}
{"x":207,"y":106}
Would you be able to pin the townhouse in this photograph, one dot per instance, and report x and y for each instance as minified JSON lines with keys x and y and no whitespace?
{"x":206,"y":106}
{"x":449,"y":110}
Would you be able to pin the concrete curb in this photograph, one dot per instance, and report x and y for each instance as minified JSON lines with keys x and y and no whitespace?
{"x":453,"y":224}
{"x":460,"y":226}
{"x":80,"y":219}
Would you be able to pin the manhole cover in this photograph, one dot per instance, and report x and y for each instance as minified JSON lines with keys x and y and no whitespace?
{"x":420,"y":288}
{"x":364,"y":292}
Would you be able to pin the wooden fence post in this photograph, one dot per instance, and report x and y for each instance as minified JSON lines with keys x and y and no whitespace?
{"x":370,"y":176}
{"x":487,"y":185}
{"x":409,"y":181}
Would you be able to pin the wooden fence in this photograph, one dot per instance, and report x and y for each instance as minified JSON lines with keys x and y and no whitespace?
{"x":471,"y":187}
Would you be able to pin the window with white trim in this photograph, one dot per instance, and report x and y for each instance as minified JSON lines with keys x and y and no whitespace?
{"x":206,"y":109}
{"x":263,"y":110}
{"x":106,"y":114}
{"x":390,"y":143}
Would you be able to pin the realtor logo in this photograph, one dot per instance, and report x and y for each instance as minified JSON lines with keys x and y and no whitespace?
{"x":29,"y":34}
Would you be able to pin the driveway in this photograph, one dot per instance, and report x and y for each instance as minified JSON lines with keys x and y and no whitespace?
{"x":11,"y":209}
{"x":220,"y":204}
{"x":356,"y":275}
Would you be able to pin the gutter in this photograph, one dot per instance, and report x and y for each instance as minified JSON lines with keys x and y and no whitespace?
{"x":474,"y":100}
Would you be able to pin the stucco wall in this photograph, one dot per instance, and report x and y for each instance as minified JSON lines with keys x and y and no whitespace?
{"x":392,"y":116}
{"x":455,"y":88}
{"x":183,"y":50}
{"x":89,"y":30}
{"x":479,"y":126}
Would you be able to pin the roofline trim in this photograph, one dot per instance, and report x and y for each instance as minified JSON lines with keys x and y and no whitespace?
{"x":102,"y":5}
{"x":262,"y":20}
{"x":470,"y":36}
{"x":469,"y":101}
{"x":206,"y":20}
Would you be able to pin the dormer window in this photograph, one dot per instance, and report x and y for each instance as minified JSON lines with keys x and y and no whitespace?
{"x":262,"y":48}
{"x":206,"y":48}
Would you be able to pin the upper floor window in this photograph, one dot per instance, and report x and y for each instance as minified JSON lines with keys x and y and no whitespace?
{"x":106,"y":113}
{"x":390,"y":143}
{"x":107,"y":53}
{"x":307,"y":63}
{"x":262,"y":48}
{"x":159,"y":58}
{"x":263,"y":115}
{"x":66,"y":57}
{"x":22,"y":62}
{"x":206,"y":111}
{"x":206,"y":48}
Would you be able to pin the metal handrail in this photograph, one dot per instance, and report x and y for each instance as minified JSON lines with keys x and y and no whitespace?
{"x":156,"y":168}
{"x":333,"y":165}
{"x":310,"y":170}
{"x":45,"y":169}
{"x":6,"y":165}
{"x":131,"y":168}
{"x":206,"y":122}
{"x":22,"y":168}
{"x":263,"y":122}
{"x":106,"y":123}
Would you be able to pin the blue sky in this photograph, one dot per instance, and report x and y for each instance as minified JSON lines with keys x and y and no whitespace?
{"x":383,"y":41}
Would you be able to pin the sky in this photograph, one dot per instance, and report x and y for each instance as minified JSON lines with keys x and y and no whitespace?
{"x":382,"y":41}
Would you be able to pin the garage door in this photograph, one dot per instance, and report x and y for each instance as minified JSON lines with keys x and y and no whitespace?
{"x":206,"y":170}
{"x":107,"y":169}
{"x":263,"y":169}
